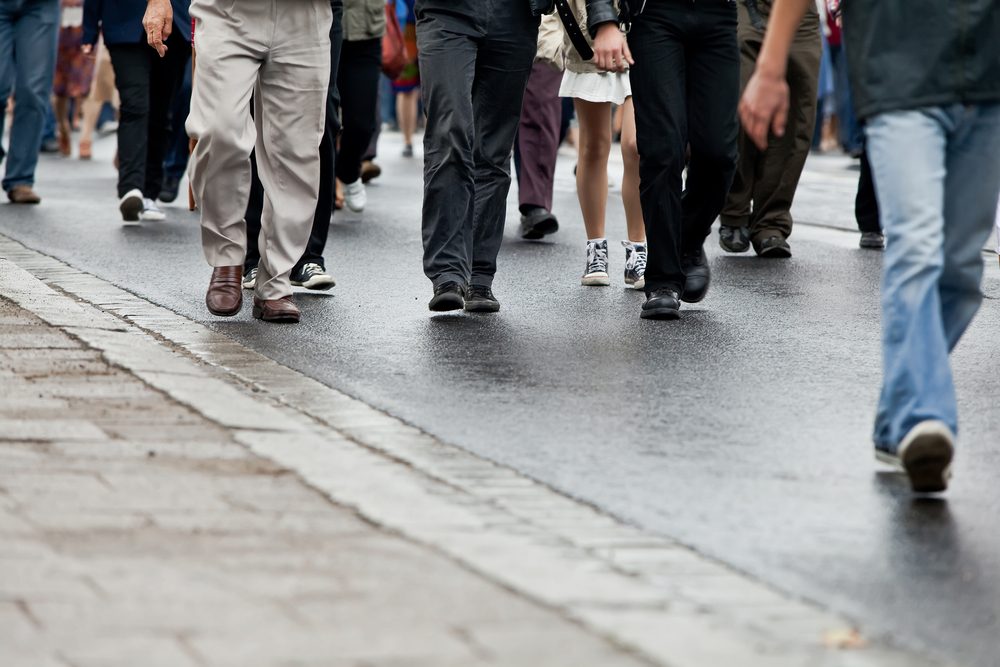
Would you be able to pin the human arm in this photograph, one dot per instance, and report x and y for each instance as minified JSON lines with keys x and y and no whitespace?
{"x":91,"y":23}
{"x":611,"y":52}
{"x":764,"y":106}
{"x":158,"y":24}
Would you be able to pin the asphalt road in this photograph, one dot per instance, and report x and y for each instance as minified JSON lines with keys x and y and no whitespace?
{"x":742,"y":430}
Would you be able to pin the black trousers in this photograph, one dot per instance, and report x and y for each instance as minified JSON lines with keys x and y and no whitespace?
{"x":865,"y":203}
{"x":146,"y":85}
{"x":685,"y":86}
{"x":475,"y":60}
{"x":357,"y":81}
{"x":327,"y":156}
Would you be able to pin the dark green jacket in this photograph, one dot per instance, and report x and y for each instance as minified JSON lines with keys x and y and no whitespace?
{"x":363,"y":19}
{"x":907,"y":54}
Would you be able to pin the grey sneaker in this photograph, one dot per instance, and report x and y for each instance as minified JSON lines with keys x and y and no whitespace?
{"x":250,"y":279}
{"x":312,"y":276}
{"x":734,"y":239}
{"x":596,"y":272}
{"x":480,"y":299}
{"x":925,"y":454}
{"x":635,"y":264}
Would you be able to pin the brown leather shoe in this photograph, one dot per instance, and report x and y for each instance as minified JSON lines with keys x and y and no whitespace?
{"x":225,"y":291}
{"x":23,"y":194}
{"x":276,"y":310}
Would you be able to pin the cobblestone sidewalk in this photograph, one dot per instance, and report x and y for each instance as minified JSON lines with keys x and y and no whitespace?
{"x":135,"y":532}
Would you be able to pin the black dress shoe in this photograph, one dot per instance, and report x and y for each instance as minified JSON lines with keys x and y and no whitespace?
{"x":697,"y":276}
{"x":447,"y":296}
{"x":773,"y":247}
{"x":734,"y":239}
{"x":480,"y":299}
{"x":872,"y":241}
{"x":661,"y":304}
{"x":537,"y":223}
{"x":169,"y":189}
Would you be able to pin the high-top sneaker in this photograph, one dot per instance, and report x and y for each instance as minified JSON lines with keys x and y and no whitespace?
{"x":596,"y":273}
{"x":635,"y":264}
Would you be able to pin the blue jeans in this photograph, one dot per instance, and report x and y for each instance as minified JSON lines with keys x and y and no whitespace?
{"x":938,"y":178}
{"x":29,"y":30}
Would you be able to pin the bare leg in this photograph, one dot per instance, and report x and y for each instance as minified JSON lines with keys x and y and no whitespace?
{"x":630,"y":180}
{"x":63,"y":128}
{"x":592,"y":167}
{"x":406,"y":112}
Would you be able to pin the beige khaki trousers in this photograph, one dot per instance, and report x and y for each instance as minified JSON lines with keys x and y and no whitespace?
{"x":277,"y":53}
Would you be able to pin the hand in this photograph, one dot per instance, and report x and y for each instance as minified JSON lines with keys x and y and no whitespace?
{"x":611,"y":52}
{"x":764,"y":107}
{"x":158,"y":23}
{"x":87,"y":49}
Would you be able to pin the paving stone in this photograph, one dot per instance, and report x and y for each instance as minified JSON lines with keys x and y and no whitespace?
{"x":48,"y":429}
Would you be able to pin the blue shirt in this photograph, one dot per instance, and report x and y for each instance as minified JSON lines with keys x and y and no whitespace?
{"x":121,"y":20}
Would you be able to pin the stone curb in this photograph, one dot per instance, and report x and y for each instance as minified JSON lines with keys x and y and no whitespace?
{"x":646,"y":593}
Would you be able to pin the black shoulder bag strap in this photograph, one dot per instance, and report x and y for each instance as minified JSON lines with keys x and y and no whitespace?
{"x":573,"y":29}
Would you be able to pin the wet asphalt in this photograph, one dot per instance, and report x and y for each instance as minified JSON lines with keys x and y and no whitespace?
{"x":742,"y":430}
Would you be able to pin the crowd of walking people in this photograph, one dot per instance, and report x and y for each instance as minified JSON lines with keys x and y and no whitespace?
{"x":283,"y":109}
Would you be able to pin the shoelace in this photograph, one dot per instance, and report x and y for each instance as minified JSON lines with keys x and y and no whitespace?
{"x":312,"y":269}
{"x":635,"y":259}
{"x":597,"y":258}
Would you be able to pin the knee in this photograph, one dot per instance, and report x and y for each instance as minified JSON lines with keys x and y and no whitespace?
{"x":595,"y":147}
{"x":630,"y":150}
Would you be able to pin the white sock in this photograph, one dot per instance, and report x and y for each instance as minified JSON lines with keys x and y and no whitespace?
{"x":600,"y":240}
{"x":637,"y":243}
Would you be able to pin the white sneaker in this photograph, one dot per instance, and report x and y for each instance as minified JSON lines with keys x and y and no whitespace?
{"x":131,"y":205}
{"x":925,"y":454}
{"x":355,"y":196}
{"x":596,"y":273}
{"x":250,"y":278}
{"x":151,"y":212}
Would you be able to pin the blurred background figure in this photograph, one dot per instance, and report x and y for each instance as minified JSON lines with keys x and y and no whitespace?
{"x":176,"y":160}
{"x":29,"y":30}
{"x":74,"y":73}
{"x":146,"y":85}
{"x":102,"y":91}
{"x":407,"y":86}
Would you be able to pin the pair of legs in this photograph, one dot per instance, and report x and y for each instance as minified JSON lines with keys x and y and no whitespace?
{"x":29,"y":31}
{"x":685,"y":85}
{"x":406,"y":113}
{"x":760,"y":200}
{"x":938,"y":181}
{"x":146,"y":84}
{"x":475,"y":65}
{"x":278,"y":54}
{"x":357,"y":81}
{"x":102,"y":90}
{"x":592,"y":168}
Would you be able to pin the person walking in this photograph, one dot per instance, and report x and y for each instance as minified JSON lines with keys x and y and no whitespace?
{"x":475,"y":59}
{"x":278,"y":52}
{"x":594,"y":92}
{"x":74,"y":73}
{"x":357,"y":82}
{"x":146,"y":86}
{"x":685,"y":85}
{"x":933,"y":137}
{"x":29,"y":30}
{"x":758,"y":210}
{"x":310,"y":270}
{"x":536,"y":148}
{"x":102,"y":90}
{"x":407,"y":85}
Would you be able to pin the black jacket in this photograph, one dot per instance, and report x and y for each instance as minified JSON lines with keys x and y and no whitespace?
{"x":598,"y":11}
{"x":907,"y":54}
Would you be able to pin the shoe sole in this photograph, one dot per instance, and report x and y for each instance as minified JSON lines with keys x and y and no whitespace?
{"x":636,"y":284}
{"x":540,"y":229}
{"x":596,"y":280}
{"x":444,"y":303}
{"x":370,"y":176}
{"x":250,"y":285}
{"x":660,"y":314}
{"x":355,"y":209}
{"x":152,"y":217}
{"x":926,"y":460}
{"x":775,"y":253}
{"x":131,"y":209}
{"x":482,"y":307}
{"x":225,"y":313}
{"x":317,"y":283}
{"x":258,"y":313}
{"x":871,"y":246}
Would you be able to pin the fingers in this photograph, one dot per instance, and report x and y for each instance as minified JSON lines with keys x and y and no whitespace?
{"x":627,"y":54}
{"x":87,"y":49}
{"x":158,"y":29}
{"x":780,"y":120}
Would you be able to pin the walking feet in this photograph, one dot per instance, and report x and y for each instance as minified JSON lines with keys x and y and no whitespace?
{"x":131,"y":206}
{"x":697,"y":275}
{"x":661,"y":304}
{"x":595,"y":274}
{"x":734,"y":239}
{"x":924,"y":454}
{"x":480,"y":299}
{"x":635,"y":264}
{"x":311,"y":276}
{"x":23,"y":194}
{"x":537,"y":222}
{"x":224,"y":297}
{"x":773,"y":247}
{"x":447,"y":296}
{"x":279,"y":311}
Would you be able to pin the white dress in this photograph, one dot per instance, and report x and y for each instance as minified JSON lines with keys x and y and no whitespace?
{"x":596,"y":86}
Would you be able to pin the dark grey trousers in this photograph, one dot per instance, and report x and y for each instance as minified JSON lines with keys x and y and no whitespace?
{"x":474,"y":65}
